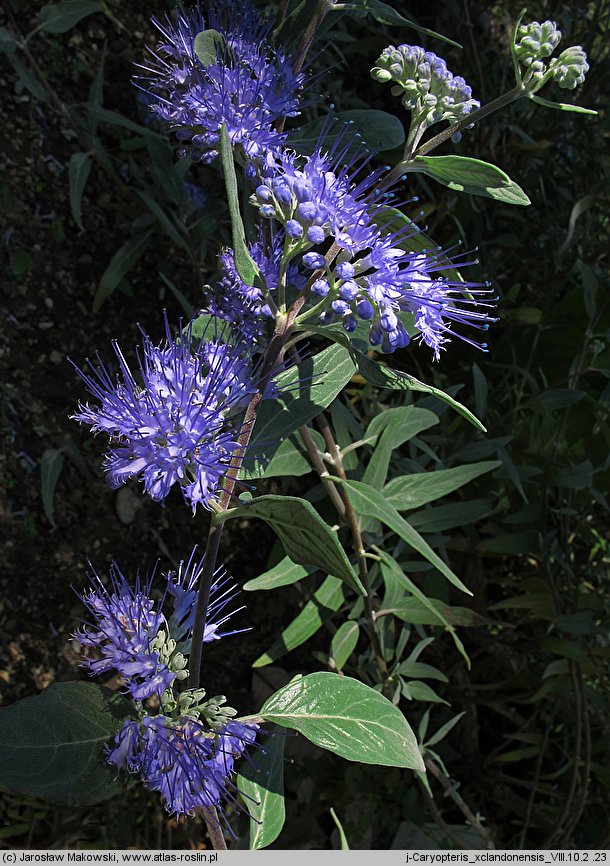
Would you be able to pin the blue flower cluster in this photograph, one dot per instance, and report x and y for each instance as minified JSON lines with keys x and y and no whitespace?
{"x":188,"y":748}
{"x":244,"y":306}
{"x":175,"y":422}
{"x":184,"y":760}
{"x":366,"y":274}
{"x":248,"y":87}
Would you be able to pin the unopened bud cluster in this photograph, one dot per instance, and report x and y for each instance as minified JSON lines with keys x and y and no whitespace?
{"x":534,"y":43}
{"x":427,"y":87}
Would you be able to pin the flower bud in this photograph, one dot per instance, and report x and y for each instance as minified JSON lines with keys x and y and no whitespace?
{"x":571,"y":67}
{"x":536,"y":41}
{"x":294,"y":229}
{"x":321,"y":288}
{"x":350,"y":323}
{"x":314,"y":260}
{"x":316,"y":235}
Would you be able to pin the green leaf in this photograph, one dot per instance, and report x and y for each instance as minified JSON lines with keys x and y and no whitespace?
{"x":284,"y":573}
{"x":344,"y":643}
{"x":307,"y":539}
{"x":51,"y":465}
{"x":435,"y":612}
{"x":304,"y":391}
{"x":370,"y":502}
{"x":164,"y":221}
{"x":577,"y":477}
{"x":413,"y":491}
{"x":28,"y":79}
{"x":208,"y":45}
{"x":326,"y":600}
{"x":398,"y":425}
{"x":419,"y":610}
{"x":465,"y":174}
{"x":244,"y":264}
{"x":96,"y":91}
{"x":385,"y":377}
{"x":290,"y":458}
{"x":445,"y":517}
{"x":120,"y":265}
{"x":516,"y":755}
{"x":512,"y":543}
{"x":377,"y":129}
{"x":339,"y":826}
{"x":20,"y":262}
{"x":420,"y":671}
{"x":180,"y":297}
{"x":53,"y":745}
{"x":105,"y":115}
{"x":561,"y":106}
{"x":78,"y":172}
{"x":444,"y":730}
{"x":8,"y":42}
{"x":206,"y":326}
{"x":417,"y":691}
{"x":60,"y":17}
{"x":346,"y":717}
{"x":386,"y":15}
{"x":262,"y":783}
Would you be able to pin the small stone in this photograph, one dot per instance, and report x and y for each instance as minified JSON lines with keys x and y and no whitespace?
{"x":127,"y":505}
{"x":56,"y":357}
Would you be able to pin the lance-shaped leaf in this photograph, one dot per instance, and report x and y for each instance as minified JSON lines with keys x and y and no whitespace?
{"x":413,"y":491}
{"x":262,"y":784}
{"x":385,"y":14}
{"x":347,"y":717}
{"x":465,"y":174}
{"x":307,"y":539}
{"x":122,"y":262}
{"x":282,"y":574}
{"x":420,"y":609}
{"x":327,"y":599}
{"x":53,"y":745}
{"x":385,"y":377}
{"x":344,"y":643}
{"x":367,"y":501}
{"x":244,"y":265}
{"x":50,"y":469}
{"x":78,"y":171}
{"x":561,"y":106}
{"x":60,"y":17}
{"x":303,"y":392}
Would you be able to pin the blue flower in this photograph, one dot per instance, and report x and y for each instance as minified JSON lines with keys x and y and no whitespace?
{"x":189,"y":763}
{"x":248,"y":88}
{"x":174,"y":423}
{"x":183,"y":586}
{"x":127,"y":623}
{"x":133,"y":636}
{"x":245,"y":306}
{"x":321,"y":196}
{"x":187,"y":750}
{"x":371,"y":275}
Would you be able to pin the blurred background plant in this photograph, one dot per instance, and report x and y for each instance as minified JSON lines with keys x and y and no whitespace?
{"x":99,"y":216}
